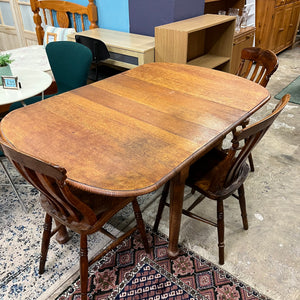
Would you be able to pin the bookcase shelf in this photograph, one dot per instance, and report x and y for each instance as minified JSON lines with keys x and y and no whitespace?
{"x":203,"y":41}
{"x":209,"y":61}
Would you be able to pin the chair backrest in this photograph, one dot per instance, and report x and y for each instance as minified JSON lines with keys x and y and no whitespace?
{"x":50,"y":180}
{"x":70,"y":63}
{"x":246,"y":139}
{"x":62,"y":14}
{"x":257,"y":65}
{"x":98,"y":48}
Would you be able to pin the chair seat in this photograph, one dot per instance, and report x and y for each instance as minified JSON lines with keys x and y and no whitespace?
{"x":206,"y":175}
{"x":100,"y":205}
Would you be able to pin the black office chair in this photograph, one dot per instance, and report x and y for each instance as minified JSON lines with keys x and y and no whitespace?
{"x":99,"y":52}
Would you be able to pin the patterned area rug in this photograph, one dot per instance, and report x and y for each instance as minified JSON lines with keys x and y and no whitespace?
{"x":127,"y":272}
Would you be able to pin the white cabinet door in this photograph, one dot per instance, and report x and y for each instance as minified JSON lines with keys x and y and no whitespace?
{"x":16,"y":24}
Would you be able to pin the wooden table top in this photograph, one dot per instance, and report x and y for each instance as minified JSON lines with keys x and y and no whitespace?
{"x":128,"y":134}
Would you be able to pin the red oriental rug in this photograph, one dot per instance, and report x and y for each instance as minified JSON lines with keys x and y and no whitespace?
{"x":127,"y":272}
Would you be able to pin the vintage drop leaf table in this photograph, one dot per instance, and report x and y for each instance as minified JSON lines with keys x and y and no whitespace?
{"x":129,"y":134}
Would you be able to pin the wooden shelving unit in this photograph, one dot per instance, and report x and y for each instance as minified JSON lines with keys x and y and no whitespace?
{"x":203,"y":41}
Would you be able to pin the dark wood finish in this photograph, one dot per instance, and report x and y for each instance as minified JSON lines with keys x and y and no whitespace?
{"x":129,"y":134}
{"x":220,"y":173}
{"x":63,"y":9}
{"x":83,"y":212}
{"x":257,"y":65}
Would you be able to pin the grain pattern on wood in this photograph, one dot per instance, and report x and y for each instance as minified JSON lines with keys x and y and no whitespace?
{"x":129,"y":134}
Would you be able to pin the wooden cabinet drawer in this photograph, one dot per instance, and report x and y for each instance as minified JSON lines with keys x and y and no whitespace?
{"x":241,"y":39}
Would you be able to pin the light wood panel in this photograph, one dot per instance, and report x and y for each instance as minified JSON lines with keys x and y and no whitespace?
{"x":201,"y":40}
{"x":277,"y":22}
{"x":8,"y":38}
{"x":241,"y":40}
{"x":127,"y":46}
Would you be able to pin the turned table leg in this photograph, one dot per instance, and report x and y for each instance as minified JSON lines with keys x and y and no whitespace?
{"x":177,"y":185}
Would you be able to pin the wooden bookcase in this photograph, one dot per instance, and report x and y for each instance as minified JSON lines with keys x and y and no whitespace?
{"x":203,"y":41}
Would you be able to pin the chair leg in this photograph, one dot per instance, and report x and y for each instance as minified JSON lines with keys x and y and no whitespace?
{"x":242,"y":201}
{"x":162,"y":203}
{"x":13,"y":186}
{"x":45,"y":242}
{"x":220,"y":225}
{"x":251,"y":162}
{"x":83,"y":266}
{"x":140,"y":224}
{"x":97,"y":71}
{"x":62,"y":235}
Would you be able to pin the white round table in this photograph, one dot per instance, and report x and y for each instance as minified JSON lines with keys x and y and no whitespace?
{"x":33,"y":82}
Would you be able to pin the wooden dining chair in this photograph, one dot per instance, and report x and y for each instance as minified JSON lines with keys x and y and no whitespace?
{"x":79,"y":210}
{"x":220,"y":173}
{"x":257,"y":65}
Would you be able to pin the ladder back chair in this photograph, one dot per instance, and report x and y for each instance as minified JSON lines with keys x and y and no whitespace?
{"x":257,"y":65}
{"x":63,"y":14}
{"x":220,"y":173}
{"x":78,"y":210}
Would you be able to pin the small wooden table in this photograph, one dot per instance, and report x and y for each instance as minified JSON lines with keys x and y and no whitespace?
{"x":127,"y":50}
{"x":129,"y":134}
